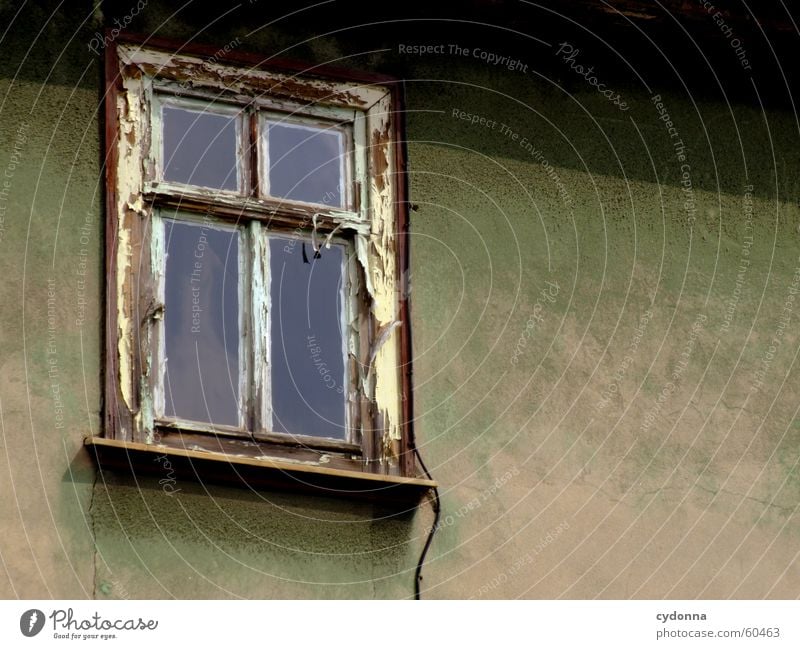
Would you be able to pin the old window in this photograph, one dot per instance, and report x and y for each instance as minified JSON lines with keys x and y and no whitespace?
{"x":256,"y":241}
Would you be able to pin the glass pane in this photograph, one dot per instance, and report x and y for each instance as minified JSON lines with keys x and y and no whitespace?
{"x":201,"y":323}
{"x":306,"y":163}
{"x":308,"y":379}
{"x":200,"y":148}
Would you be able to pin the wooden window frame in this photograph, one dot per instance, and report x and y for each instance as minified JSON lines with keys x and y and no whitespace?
{"x":374,"y":218}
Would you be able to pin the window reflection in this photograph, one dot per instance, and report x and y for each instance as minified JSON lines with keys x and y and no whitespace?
{"x":308,"y":376}
{"x":306,"y":163}
{"x":200,"y":148}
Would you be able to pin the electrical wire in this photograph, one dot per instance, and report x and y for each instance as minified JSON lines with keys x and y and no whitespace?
{"x":437,"y":508}
{"x":436,"y":503}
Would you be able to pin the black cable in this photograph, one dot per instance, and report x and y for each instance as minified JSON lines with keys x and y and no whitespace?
{"x":437,"y":508}
{"x":437,"y":505}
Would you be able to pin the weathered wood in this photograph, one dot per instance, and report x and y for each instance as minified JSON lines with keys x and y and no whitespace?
{"x":193,"y":71}
{"x":117,"y":416}
{"x":255,"y":61}
{"x":253,"y":183}
{"x":263,"y":472}
{"x":275,"y":213}
{"x":262,"y":445}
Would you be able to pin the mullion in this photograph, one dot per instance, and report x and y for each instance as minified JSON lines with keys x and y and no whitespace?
{"x":251,"y":117}
{"x":259,"y":312}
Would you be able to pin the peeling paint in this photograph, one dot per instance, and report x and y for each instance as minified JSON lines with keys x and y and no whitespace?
{"x":124,"y":322}
{"x":136,"y":204}
{"x":380,"y":254}
{"x":144,"y":418}
{"x":289,"y":460}
{"x":130,"y":206}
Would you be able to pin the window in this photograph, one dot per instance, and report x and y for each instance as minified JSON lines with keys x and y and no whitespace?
{"x":256,"y":245}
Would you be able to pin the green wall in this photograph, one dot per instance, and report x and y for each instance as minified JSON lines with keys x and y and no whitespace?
{"x":672,"y":487}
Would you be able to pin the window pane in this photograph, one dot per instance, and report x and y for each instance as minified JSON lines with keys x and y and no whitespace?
{"x":308,"y":379}
{"x":306,"y":163}
{"x":201,"y":323}
{"x":200,"y":148}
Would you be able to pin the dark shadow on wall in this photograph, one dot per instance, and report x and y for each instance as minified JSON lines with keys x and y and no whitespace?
{"x":257,"y":543}
{"x":48,"y":42}
{"x":526,"y":65}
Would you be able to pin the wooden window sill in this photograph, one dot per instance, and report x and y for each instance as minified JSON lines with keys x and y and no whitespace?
{"x":255,"y":472}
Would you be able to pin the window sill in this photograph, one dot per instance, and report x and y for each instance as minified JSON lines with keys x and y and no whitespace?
{"x":255,"y":473}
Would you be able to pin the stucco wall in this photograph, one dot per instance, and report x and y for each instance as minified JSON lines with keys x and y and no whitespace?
{"x":538,"y":275}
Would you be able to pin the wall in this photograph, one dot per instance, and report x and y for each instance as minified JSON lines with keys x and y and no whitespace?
{"x":543,"y":277}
